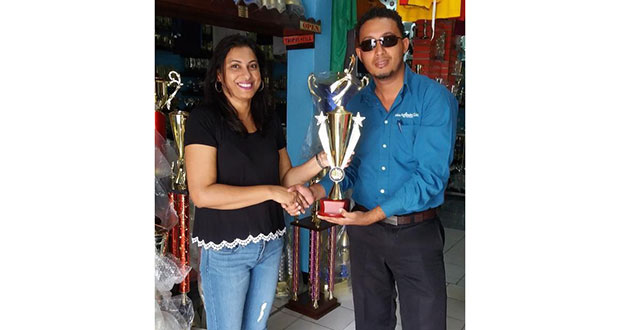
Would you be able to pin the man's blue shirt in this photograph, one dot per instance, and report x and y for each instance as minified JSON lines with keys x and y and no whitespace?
{"x":402,"y":159}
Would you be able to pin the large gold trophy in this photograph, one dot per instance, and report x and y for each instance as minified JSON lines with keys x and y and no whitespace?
{"x":162,"y":104}
{"x":339,"y":131}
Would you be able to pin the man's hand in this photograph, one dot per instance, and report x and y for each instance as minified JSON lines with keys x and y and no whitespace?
{"x":305,"y":192}
{"x":296,"y":205}
{"x":304,"y":199}
{"x":355,"y":218}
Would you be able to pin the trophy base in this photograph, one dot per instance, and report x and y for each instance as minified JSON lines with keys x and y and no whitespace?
{"x":309,"y":224}
{"x":304,"y":305}
{"x":331,"y":208}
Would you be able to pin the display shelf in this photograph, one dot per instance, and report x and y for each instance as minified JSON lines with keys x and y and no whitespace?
{"x":226,"y":13}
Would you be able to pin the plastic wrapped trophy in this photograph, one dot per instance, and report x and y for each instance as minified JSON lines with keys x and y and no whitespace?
{"x":179,"y":198}
{"x":338,"y":133}
{"x":162,"y":104}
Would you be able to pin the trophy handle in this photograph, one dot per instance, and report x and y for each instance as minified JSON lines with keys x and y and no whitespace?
{"x":312,"y":85}
{"x":351,"y":64}
{"x":364,"y":82}
{"x":175,"y":78}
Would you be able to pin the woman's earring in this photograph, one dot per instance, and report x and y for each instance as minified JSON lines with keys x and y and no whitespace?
{"x":262,"y":86}
{"x":215,"y":86}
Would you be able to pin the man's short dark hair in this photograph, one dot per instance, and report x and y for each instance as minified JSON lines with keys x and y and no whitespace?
{"x":380,"y":12}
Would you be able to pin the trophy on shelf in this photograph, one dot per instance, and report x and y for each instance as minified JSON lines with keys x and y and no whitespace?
{"x":338,"y":133}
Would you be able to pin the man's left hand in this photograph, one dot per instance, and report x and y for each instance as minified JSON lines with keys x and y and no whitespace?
{"x":355,"y":218}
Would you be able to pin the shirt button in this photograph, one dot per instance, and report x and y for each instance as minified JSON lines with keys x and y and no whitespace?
{"x":382,"y":191}
{"x":385,"y":122}
{"x":384,"y":146}
{"x":383,"y":168}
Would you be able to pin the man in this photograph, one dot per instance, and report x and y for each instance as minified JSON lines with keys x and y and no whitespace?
{"x":398,"y":175}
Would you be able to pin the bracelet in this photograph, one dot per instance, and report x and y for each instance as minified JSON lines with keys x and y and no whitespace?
{"x":319,"y":161}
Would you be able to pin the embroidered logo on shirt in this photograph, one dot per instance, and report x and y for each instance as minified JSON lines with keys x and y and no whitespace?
{"x":407,"y":115}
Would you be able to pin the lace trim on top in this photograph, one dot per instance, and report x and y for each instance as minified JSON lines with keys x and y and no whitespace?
{"x":238,"y":241}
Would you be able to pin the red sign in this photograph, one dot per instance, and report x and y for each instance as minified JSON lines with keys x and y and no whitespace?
{"x":298,"y":40}
{"x":307,"y":26}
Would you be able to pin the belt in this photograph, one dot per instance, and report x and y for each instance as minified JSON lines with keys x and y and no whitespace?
{"x":396,"y":220}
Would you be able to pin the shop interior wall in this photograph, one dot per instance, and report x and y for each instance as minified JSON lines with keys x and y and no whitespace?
{"x":301,"y":63}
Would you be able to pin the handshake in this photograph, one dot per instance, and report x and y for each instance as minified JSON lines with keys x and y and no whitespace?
{"x":296,"y":199}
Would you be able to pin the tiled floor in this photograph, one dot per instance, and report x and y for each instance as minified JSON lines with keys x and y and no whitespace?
{"x":342,"y":317}
{"x":452,"y":214}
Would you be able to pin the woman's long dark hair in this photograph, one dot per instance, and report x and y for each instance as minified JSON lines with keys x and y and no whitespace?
{"x":217,"y":100}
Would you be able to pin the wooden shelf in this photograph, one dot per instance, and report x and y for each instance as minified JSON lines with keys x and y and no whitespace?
{"x":226,"y":13}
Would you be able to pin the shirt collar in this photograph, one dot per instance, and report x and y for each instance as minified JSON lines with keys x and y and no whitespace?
{"x":368,"y":93}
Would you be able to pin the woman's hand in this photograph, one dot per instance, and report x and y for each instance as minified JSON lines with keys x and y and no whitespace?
{"x":290,"y":200}
{"x":283,"y":196}
{"x":305,"y":193}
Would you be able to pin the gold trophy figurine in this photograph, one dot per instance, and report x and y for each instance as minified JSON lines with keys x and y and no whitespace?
{"x":162,"y":98}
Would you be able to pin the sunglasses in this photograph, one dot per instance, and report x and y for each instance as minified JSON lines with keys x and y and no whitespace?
{"x":387,"y":41}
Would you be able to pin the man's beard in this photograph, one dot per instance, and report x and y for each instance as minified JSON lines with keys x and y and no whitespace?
{"x":389,"y":74}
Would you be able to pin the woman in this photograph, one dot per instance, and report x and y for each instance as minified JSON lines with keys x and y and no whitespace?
{"x":238,"y":170}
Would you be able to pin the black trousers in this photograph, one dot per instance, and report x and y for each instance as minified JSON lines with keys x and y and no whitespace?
{"x":408,"y":256}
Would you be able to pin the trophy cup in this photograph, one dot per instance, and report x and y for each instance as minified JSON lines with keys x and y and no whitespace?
{"x":162,"y":99}
{"x":339,"y":131}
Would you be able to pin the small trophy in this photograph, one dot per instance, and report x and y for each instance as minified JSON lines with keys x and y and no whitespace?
{"x":339,"y":131}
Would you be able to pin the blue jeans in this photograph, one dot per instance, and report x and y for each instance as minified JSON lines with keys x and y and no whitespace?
{"x":239,"y":284}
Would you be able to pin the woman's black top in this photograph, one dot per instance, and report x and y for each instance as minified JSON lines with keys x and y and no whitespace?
{"x":241,"y":161}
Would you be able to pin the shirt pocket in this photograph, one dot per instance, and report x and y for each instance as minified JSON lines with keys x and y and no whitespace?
{"x":406,"y":131}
